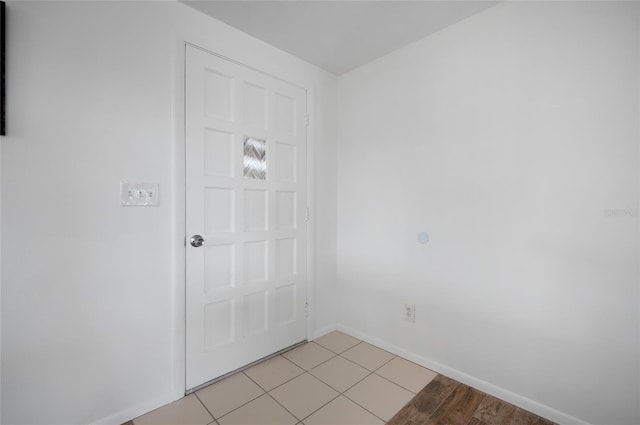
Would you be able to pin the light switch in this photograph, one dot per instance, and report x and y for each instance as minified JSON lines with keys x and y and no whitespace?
{"x":138,"y":194}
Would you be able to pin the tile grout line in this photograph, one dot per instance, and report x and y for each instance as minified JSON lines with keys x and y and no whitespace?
{"x":362,"y":407}
{"x":279,"y":385}
{"x":281,"y":405}
{"x":205,"y":408}
{"x":303,"y":370}
{"x":340,"y":393}
{"x":334,"y":355}
{"x":348,"y":388}
{"x":307,"y":417}
{"x":291,"y":361}
{"x":345,"y":396}
{"x":269,"y":392}
{"x":300,"y":420}
{"x":385,"y":363}
{"x":398,"y":385}
{"x":339,"y":353}
{"x":370,"y":372}
{"x":373,"y":372}
{"x":308,"y":371}
{"x":321,"y":363}
{"x":234,"y":409}
{"x":367,"y":369}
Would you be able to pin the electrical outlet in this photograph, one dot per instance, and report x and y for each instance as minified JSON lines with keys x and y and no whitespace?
{"x":410,"y":313}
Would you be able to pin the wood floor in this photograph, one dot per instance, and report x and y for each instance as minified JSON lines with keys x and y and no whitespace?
{"x":447,"y":402}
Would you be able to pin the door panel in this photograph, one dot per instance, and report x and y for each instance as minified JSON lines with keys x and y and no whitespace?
{"x":246,"y":195}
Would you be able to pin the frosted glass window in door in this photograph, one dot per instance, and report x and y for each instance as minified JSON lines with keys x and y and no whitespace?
{"x":255,"y":158}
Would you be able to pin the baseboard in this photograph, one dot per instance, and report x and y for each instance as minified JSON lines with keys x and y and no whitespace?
{"x":135,"y":411}
{"x":323,"y":331}
{"x":496,"y":391}
{"x":499,"y":392}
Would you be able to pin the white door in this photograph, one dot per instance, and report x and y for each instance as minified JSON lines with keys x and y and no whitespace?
{"x":246,"y":197}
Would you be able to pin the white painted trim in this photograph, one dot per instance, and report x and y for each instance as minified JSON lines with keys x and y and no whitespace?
{"x":494,"y":390}
{"x":320,"y":332}
{"x":311,"y":204}
{"x":135,"y":411}
{"x":638,"y":296}
{"x":178,"y":179}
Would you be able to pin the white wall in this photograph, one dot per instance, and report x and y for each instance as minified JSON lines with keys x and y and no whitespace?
{"x":92,"y":292}
{"x":505,"y":137}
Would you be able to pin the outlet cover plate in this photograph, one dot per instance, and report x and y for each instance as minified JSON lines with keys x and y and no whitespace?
{"x":138,"y":194}
{"x":410,"y":313}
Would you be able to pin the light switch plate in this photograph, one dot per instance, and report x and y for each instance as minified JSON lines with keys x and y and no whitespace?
{"x":138,"y":194}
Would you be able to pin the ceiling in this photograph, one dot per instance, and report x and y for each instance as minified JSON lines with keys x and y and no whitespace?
{"x":339,"y":35}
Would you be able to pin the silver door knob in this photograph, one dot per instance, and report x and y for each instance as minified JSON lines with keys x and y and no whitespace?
{"x":196,"y":241}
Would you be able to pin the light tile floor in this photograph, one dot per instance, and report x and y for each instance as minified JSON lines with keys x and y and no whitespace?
{"x":333,"y":380}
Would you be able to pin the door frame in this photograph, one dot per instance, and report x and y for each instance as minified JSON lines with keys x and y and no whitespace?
{"x":177,"y":194}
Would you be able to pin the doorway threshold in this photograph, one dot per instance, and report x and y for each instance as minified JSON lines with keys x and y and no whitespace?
{"x":226,"y":375}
